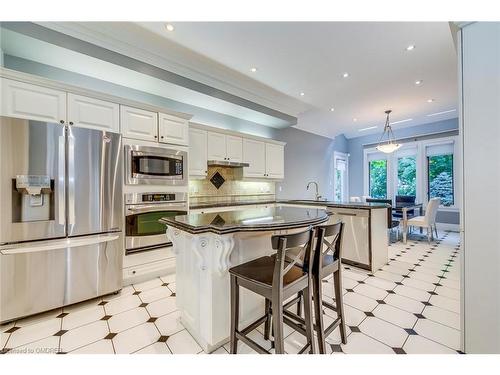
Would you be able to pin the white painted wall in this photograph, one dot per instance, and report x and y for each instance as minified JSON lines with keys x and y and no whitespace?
{"x":480,"y":130}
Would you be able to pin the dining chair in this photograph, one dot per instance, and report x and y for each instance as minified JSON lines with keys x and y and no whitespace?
{"x":402,"y":199}
{"x":429,"y":220}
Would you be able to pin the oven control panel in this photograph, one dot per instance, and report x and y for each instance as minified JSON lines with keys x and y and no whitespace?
{"x":161,"y":197}
{"x":158,"y":197}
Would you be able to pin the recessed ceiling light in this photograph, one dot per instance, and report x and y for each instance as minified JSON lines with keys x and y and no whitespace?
{"x":332,"y":109}
{"x":169,"y":27}
{"x":400,"y":121}
{"x":369,"y":128}
{"x":418,"y":82}
{"x":302,"y":94}
{"x":354,"y":119}
{"x":345,"y":75}
{"x":441,"y":113}
{"x":253,"y":70}
{"x":411,"y":47}
{"x":430,"y":100}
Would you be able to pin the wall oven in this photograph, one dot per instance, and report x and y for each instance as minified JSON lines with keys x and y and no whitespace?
{"x":143,"y":231}
{"x":147,"y":165}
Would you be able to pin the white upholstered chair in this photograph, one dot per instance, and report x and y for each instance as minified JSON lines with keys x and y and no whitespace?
{"x":429,"y":220}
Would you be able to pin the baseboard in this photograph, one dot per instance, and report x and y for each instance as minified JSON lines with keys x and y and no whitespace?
{"x":446,"y":226}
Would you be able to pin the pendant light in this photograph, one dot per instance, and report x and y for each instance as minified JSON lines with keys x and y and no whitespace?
{"x":389,"y":145}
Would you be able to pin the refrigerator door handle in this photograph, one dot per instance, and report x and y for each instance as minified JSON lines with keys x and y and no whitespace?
{"x":71,"y":180}
{"x":61,"y":201}
{"x":60,"y":244}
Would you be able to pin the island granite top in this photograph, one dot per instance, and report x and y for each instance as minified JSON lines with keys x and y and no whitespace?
{"x":248,"y":220}
{"x":331,"y":204}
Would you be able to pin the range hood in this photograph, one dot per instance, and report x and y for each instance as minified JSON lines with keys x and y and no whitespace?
{"x":226,"y":163}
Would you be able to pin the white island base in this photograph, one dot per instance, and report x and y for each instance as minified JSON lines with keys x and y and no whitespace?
{"x":202,"y":281}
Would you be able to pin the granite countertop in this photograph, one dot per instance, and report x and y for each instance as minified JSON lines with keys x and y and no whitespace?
{"x":331,"y":204}
{"x":229,"y":204}
{"x":252,"y":219}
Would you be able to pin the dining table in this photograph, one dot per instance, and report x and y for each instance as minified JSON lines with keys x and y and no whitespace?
{"x":403,"y":208}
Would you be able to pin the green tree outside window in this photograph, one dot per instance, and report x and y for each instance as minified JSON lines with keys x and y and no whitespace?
{"x":378,"y":178}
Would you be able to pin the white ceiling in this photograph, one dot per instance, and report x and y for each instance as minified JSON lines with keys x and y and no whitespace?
{"x":310,"y":57}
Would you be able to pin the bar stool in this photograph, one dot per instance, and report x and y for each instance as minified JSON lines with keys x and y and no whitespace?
{"x":326,"y":261}
{"x":276,"y":280}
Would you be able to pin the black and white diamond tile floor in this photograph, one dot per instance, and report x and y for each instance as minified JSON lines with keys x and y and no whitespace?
{"x":409,"y":306}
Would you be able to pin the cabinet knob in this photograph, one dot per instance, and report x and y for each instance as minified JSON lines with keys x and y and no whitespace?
{"x":162,"y":137}
{"x":133,"y":272}
{"x":156,"y":136}
{"x":62,"y":121}
{"x":71,"y":122}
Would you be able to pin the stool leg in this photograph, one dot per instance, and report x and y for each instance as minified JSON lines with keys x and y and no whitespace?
{"x":308,"y":319}
{"x":318,"y":312}
{"x":279,"y":342}
{"x":299,"y":304}
{"x":267,"y":324}
{"x":339,"y":302}
{"x":235,"y":312}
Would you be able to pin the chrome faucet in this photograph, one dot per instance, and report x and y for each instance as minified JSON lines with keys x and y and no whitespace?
{"x":318,"y":197}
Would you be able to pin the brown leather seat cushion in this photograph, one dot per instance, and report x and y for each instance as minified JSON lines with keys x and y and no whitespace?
{"x":261,"y":270}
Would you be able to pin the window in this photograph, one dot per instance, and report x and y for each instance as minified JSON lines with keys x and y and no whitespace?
{"x":440,"y":178}
{"x":378,"y":178}
{"x":340,"y":177}
{"x":407,"y":175}
{"x":424,"y":168}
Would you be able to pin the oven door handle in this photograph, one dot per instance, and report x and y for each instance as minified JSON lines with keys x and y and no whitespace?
{"x":156,"y":207}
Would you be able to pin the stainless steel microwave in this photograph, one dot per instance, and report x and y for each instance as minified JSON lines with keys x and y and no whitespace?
{"x":146,"y":165}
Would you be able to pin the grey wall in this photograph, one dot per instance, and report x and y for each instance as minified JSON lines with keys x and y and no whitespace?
{"x":355,"y":149}
{"x":308,"y":157}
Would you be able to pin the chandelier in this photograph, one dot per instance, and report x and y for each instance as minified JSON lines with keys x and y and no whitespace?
{"x":388,"y":146}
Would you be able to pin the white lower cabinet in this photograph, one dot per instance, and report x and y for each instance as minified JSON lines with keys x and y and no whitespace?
{"x":139,"y":123}
{"x":173,"y":130}
{"x":93,"y":113}
{"x":147,"y":265}
{"x":32,"y":102}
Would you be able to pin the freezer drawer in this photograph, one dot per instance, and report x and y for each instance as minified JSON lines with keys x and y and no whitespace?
{"x":41,"y":276}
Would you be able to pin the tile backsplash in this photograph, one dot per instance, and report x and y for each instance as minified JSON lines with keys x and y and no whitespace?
{"x":233,"y":188}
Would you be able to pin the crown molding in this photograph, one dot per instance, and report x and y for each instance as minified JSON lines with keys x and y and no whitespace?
{"x":126,"y":37}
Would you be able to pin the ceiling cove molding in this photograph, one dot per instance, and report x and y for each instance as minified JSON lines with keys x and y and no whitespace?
{"x":77,"y":44}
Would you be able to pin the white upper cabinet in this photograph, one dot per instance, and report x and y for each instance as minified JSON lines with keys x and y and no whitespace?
{"x":216,"y":146}
{"x":234,"y":148}
{"x":139,"y":123}
{"x":197,"y":152}
{"x":275,"y":161}
{"x":173,"y":130}
{"x":24,"y":100}
{"x":254,"y":153}
{"x":93,"y":113}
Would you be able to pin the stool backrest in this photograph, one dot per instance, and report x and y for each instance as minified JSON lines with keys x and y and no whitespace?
{"x":302,"y":242}
{"x":328,"y":242}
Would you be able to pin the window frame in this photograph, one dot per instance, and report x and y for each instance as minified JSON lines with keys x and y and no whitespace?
{"x":342,"y":156}
{"x":422,"y":178}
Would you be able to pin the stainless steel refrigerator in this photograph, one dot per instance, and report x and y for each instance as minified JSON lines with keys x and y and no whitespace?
{"x":61,"y":216}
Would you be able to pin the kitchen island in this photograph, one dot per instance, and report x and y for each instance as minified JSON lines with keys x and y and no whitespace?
{"x":207,"y":245}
